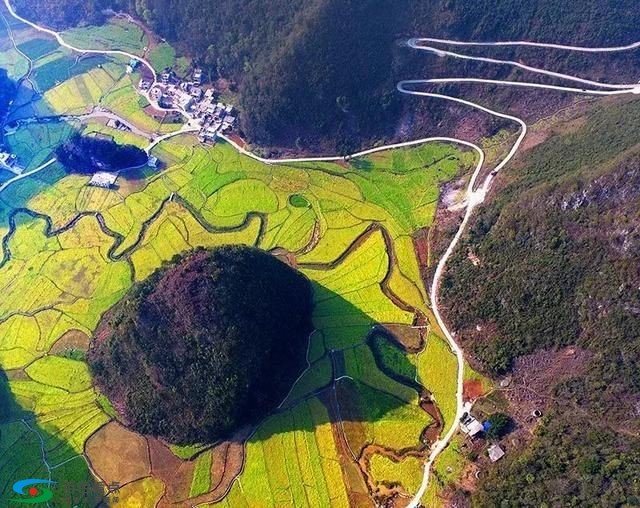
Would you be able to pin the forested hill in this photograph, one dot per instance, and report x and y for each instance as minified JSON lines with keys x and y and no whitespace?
{"x":7,"y":94}
{"x":550,"y":269}
{"x":325,"y":70}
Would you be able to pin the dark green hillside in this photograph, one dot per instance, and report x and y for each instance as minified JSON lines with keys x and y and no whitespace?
{"x":559,"y":251}
{"x":554,"y":242}
{"x":7,"y":92}
{"x":206,"y":345}
{"x":86,"y":155}
{"x":593,"y":23}
{"x":61,"y":14}
{"x":321,"y":73}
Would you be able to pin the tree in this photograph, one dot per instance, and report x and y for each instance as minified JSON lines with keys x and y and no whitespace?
{"x":500,"y":424}
{"x":86,"y":155}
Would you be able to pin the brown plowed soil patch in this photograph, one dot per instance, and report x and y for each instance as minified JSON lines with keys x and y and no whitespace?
{"x":228,"y":460}
{"x":118,"y":455}
{"x":534,"y":377}
{"x":238,"y":140}
{"x":472,"y":389}
{"x":421,"y":246}
{"x":73,"y":339}
{"x":173,"y":471}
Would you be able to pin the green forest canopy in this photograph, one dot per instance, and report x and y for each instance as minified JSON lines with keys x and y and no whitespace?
{"x":87,"y":154}
{"x":210,"y":343}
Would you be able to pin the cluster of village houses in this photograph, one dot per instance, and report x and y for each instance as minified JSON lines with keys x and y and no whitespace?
{"x":9,"y":162}
{"x":189,"y":96}
{"x":195,"y":100}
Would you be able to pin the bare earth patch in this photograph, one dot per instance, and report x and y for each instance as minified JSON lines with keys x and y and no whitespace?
{"x":227,"y":464}
{"x":118,"y":455}
{"x":472,"y":389}
{"x":173,"y":471}
{"x":73,"y":339}
{"x":534,"y":377}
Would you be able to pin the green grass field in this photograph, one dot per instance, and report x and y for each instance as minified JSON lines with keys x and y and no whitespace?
{"x":116,"y":34}
{"x":162,"y":56}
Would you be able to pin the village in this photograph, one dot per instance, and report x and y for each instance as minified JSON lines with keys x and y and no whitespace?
{"x":192,"y":97}
{"x":196,"y":100}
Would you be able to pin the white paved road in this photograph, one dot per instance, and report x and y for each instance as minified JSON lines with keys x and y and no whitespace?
{"x":26,"y":174}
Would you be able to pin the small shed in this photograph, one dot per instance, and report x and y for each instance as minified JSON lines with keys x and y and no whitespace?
{"x":469,"y":425}
{"x":7,"y":159}
{"x":495,"y":452}
{"x":103,"y":179}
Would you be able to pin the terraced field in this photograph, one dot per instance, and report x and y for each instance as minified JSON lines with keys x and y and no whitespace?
{"x":355,"y":426}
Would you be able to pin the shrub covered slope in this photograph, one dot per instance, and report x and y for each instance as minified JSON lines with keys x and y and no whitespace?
{"x":559,"y":251}
{"x":206,"y":345}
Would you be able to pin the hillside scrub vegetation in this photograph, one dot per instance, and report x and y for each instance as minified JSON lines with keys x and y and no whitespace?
{"x":555,"y":243}
{"x":559,"y":250}
{"x":323,"y":72}
{"x":88,"y":154}
{"x":209,"y":343}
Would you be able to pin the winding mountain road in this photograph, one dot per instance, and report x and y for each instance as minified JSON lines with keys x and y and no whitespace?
{"x":474,"y":196}
{"x":477,"y":197}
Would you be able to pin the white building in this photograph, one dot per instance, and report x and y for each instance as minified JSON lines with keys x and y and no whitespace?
{"x":469,"y":425}
{"x":103,"y":179}
{"x":495,"y":452}
{"x":185,"y":101}
{"x":7,"y":159}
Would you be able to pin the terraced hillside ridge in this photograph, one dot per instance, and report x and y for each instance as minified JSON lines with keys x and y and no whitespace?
{"x":71,"y":252}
